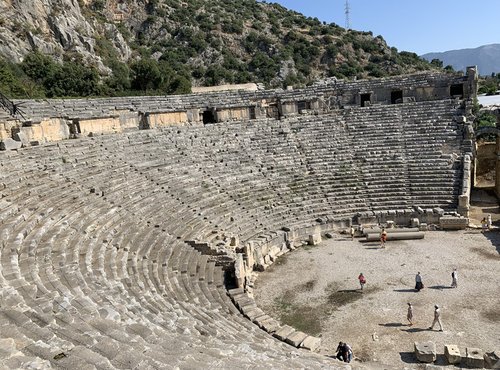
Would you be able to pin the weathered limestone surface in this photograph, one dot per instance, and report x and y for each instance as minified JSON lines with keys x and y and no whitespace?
{"x":492,"y":360}
{"x":296,"y":338}
{"x":453,"y":223}
{"x":314,"y":239}
{"x":474,"y":357}
{"x":156,"y":120}
{"x":311,"y":343}
{"x":452,"y":354}
{"x":425,"y":351}
{"x":284,"y":332}
{"x":49,"y":129}
{"x":10,"y":144}
{"x":99,"y":126}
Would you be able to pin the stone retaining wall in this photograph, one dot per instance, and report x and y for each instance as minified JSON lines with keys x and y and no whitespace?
{"x":321,"y":98}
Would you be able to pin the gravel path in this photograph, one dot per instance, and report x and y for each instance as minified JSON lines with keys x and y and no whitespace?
{"x":318,"y":287}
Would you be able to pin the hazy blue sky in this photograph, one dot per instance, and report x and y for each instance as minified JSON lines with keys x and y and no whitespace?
{"x":421,"y":26}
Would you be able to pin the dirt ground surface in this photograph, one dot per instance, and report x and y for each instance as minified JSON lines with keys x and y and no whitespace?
{"x":315,"y":289}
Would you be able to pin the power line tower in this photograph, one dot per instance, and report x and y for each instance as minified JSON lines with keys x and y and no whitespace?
{"x":347,"y":15}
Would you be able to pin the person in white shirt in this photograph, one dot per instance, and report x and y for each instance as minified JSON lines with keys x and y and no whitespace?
{"x":437,"y":318}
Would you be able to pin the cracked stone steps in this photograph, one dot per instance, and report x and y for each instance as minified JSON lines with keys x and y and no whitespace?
{"x":45,"y":345}
{"x":40,"y":227}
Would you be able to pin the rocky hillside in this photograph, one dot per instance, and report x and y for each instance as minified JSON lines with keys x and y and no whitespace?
{"x":166,"y":46}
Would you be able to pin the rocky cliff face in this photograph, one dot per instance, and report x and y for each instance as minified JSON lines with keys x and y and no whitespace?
{"x":54,"y":27}
{"x":205,"y":42}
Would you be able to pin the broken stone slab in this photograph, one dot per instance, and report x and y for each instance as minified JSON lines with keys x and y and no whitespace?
{"x":311,"y":343}
{"x":283,"y":332}
{"x":425,"y":351}
{"x":452,"y":354}
{"x":10,"y":144}
{"x":474,"y":357}
{"x":296,"y":338}
{"x":492,"y":360}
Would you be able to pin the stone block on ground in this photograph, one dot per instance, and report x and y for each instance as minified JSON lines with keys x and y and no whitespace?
{"x":10,"y":144}
{"x":21,"y":137}
{"x":492,"y":360}
{"x":453,"y":223}
{"x":474,"y":357}
{"x":283,"y":332}
{"x":314,"y":239}
{"x":296,"y":338}
{"x":268,"y":324}
{"x":311,"y":343}
{"x":425,"y":351}
{"x":452,"y":354}
{"x":254,"y":313}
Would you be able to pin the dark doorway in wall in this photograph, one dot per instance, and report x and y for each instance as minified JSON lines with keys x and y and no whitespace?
{"x":251,"y":112}
{"x":208,"y":117}
{"x":303,"y":105}
{"x":457,"y":90}
{"x":365,"y":99}
{"x":272,"y":112}
{"x":396,"y":96}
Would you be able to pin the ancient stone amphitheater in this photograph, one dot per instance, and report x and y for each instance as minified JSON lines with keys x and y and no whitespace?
{"x":130,"y":227}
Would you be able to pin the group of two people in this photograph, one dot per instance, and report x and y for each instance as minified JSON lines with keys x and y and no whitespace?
{"x":486,"y":222}
{"x":344,"y":352}
{"x":419,"y":285}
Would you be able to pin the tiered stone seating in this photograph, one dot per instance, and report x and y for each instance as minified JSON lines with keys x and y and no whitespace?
{"x":83,"y":285}
{"x":95,"y":265}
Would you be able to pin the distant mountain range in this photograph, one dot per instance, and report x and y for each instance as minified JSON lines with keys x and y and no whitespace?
{"x":486,"y":58}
